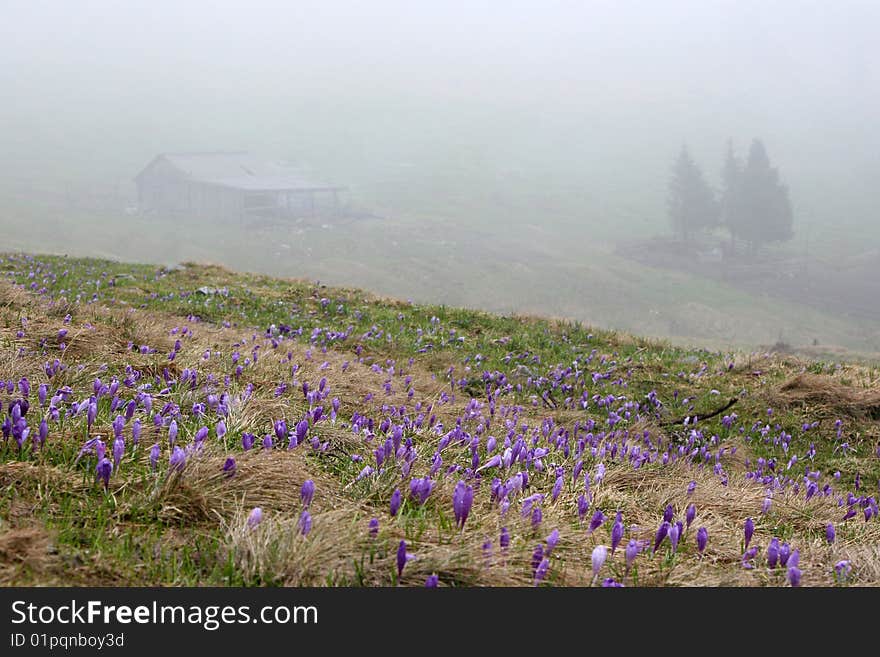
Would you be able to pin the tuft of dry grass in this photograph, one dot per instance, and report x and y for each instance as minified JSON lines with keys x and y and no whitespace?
{"x":827,"y":396}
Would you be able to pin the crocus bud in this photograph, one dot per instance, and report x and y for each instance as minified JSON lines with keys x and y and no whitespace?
{"x":689,"y":515}
{"x":784,"y":554}
{"x":305,"y":522}
{"x":154,"y":456}
{"x":462,"y":500}
{"x":432,"y":582}
{"x":702,"y":539}
{"x":307,"y":492}
{"x":600,"y":553}
{"x":103,"y":470}
{"x":229,"y":467}
{"x":177,"y":459}
{"x":773,"y":552}
{"x":504,"y":539}
{"x":596,"y":521}
{"x":674,"y":534}
{"x":395,"y":501}
{"x":829,"y":533}
{"x":749,"y":530}
{"x":402,"y":557}
{"x":374,"y":527}
{"x":662,"y":531}
{"x":616,"y":535}
{"x":255,"y":517}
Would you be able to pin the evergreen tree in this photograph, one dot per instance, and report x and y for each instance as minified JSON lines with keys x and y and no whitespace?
{"x":731,"y":176}
{"x":691,"y":203}
{"x":760,"y":210}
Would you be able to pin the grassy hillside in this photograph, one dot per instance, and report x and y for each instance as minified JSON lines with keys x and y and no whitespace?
{"x":149,"y":412}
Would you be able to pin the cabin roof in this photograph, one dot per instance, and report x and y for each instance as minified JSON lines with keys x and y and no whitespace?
{"x":238,"y":170}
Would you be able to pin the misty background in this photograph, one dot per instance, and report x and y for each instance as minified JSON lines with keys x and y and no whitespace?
{"x":510,"y":153}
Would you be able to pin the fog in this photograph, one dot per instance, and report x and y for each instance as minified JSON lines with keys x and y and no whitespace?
{"x":509,"y":154}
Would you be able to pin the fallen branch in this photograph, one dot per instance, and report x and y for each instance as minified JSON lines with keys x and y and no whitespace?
{"x":696,"y":416}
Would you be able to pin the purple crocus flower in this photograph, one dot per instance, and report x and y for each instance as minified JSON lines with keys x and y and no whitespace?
{"x":829,"y":533}
{"x":596,"y":521}
{"x":784,"y":554}
{"x":118,"y":451}
{"x":537,"y":516}
{"x":136,"y":431}
{"x":600,"y":553}
{"x":267,"y":441}
{"x":280,"y":427}
{"x":395,"y":501}
{"x":557,"y":489}
{"x":842,"y":569}
{"x":616,"y":535}
{"x":773,"y":552}
{"x":668,"y":513}
{"x":420,"y":489}
{"x":749,"y":530}
{"x":504,"y":539}
{"x":747,"y":557}
{"x":702,"y":539}
{"x":201,"y":436}
{"x":307,"y":492}
{"x":583,"y":507}
{"x":302,"y":428}
{"x":462,"y":499}
{"x":794,"y":576}
{"x":177,"y":459}
{"x":552,"y":540}
{"x":674,"y":534}
{"x":537,"y":556}
{"x":255,"y":517}
{"x":691,"y":487}
{"x":155,"y":450}
{"x":611,"y":583}
{"x":91,"y":414}
{"x":402,"y":557}
{"x":305,"y":522}
{"x":229,"y":466}
{"x":44,"y":431}
{"x":172,"y":432}
{"x":104,"y":470}
{"x":374,"y":527}
{"x":432,"y":582}
{"x":541,"y":570}
{"x":247,"y":440}
{"x":662,"y":532}
{"x":689,"y":515}
{"x":632,"y":550}
{"x":221,"y":429}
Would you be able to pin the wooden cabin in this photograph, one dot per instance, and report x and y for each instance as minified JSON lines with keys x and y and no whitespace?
{"x":231,"y":186}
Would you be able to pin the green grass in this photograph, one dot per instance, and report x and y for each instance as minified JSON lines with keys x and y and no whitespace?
{"x":153,"y":527}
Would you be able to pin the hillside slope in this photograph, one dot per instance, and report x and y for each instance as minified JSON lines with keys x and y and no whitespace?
{"x":147,"y":414}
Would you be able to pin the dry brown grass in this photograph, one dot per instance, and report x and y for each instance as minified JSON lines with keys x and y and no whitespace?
{"x":826,"y":396}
